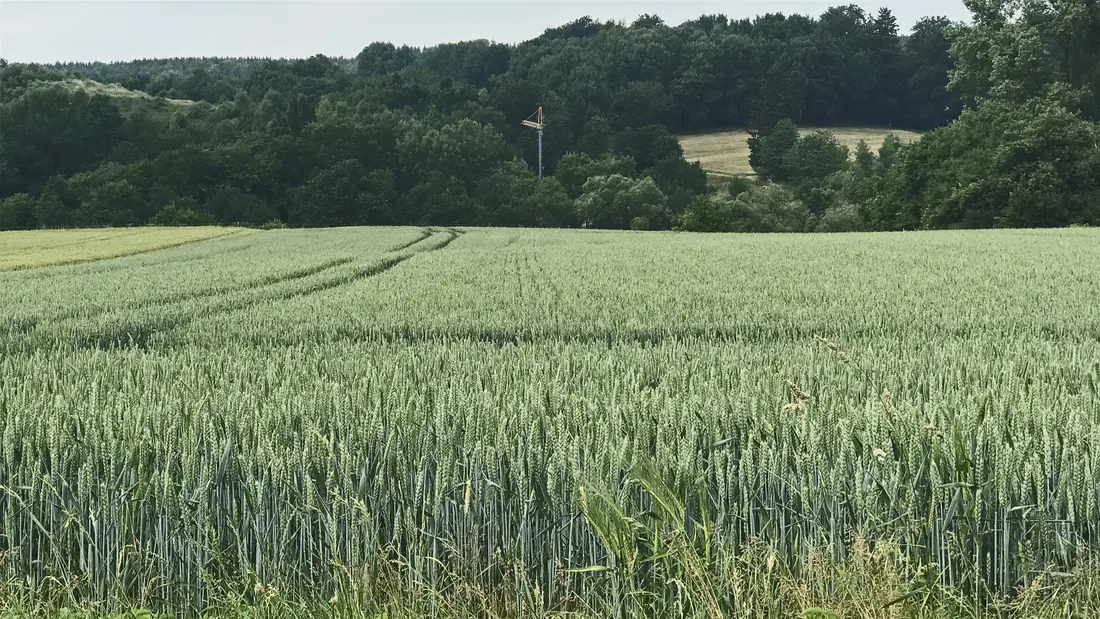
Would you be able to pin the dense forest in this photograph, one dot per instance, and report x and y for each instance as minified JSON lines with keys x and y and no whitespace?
{"x":433,"y":136}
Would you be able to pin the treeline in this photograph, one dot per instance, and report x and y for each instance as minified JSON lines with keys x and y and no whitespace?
{"x":845,"y":67}
{"x":1024,"y":153}
{"x":433,"y":136}
{"x":71,"y":158}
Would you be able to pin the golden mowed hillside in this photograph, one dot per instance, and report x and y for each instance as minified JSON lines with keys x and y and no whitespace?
{"x":728,"y":152}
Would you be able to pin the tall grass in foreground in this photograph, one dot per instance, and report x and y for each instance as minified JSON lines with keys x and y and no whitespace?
{"x":174,"y":480}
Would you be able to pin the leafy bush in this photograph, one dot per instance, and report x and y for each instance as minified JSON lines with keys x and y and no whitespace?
{"x":115,"y":203}
{"x":739,"y":185}
{"x":346,"y":194}
{"x":679,"y":180}
{"x":708,"y":214}
{"x":234,"y":206}
{"x":1000,"y":165}
{"x":182,"y":212}
{"x":442,"y":201}
{"x":770,"y":208}
{"x":865,"y":158}
{"x":888,"y":152}
{"x":575,"y":169}
{"x":769,"y":150}
{"x":514,"y":196}
{"x":840,"y":217}
{"x":274,"y":224}
{"x":815,"y":156}
{"x":647,"y":145}
{"x":18,"y":212}
{"x":616,"y":201}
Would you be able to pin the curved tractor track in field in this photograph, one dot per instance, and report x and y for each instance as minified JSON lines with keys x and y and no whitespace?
{"x":321,"y":278}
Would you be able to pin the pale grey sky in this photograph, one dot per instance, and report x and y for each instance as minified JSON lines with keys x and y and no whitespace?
{"x":55,"y":30}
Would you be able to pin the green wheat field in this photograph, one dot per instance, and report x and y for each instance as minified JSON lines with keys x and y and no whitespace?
{"x":369,"y":422}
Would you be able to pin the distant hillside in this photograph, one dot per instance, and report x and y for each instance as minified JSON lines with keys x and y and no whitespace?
{"x":115,"y":91}
{"x":19,"y":80}
{"x":200,"y":79}
{"x":727,"y":153}
{"x":232,"y":68}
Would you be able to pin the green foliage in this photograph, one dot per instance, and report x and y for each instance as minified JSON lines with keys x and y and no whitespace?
{"x":619,"y":202}
{"x":182,"y":213}
{"x":381,"y":58}
{"x":232,"y":206}
{"x":52,"y":212}
{"x":346,"y":194}
{"x":18,"y":78}
{"x":845,"y":185}
{"x":815,"y":156}
{"x":57,"y":202}
{"x":372,"y":140}
{"x":269,"y":128}
{"x":198,"y":84}
{"x":865,"y":159}
{"x":575,"y":169}
{"x":767,"y":208}
{"x":715,"y":213}
{"x":473,"y":62}
{"x":769,"y":152}
{"x":770,"y":208}
{"x":514,"y":196}
{"x":443,"y":120}
{"x":1015,"y":52}
{"x":888,"y":152}
{"x":647,"y":145}
{"x":49,"y":130}
{"x":840,"y":217}
{"x":18,"y":212}
{"x":407,"y":411}
{"x":441,"y":201}
{"x":596,"y":137}
{"x":136,"y":613}
{"x":465,"y":151}
{"x":739,"y":185}
{"x":999,"y":165}
{"x":929,"y":64}
{"x":679,"y":180}
{"x":115,"y":203}
{"x":274,"y":224}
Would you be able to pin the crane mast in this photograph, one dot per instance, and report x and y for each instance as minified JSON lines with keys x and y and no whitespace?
{"x":537,"y":124}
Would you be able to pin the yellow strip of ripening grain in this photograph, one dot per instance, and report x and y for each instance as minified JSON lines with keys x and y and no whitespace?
{"x":33,"y":248}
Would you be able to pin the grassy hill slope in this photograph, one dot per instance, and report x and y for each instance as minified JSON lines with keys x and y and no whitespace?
{"x":727,"y":153}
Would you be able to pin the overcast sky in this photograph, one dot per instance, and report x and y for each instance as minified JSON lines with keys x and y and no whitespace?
{"x":53,"y":30}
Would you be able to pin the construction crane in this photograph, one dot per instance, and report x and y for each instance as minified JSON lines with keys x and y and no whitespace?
{"x":537,"y":124}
